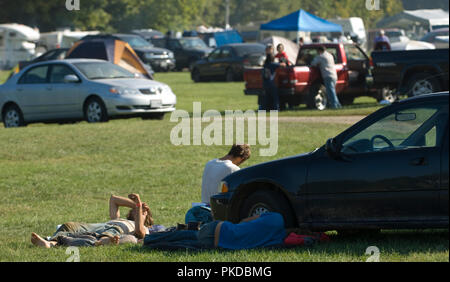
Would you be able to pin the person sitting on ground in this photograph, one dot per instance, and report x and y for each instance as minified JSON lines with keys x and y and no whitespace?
{"x":116,"y":231}
{"x":217,"y":169}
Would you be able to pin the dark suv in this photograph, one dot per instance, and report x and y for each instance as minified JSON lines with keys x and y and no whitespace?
{"x":388,"y":171}
{"x":187,"y":50}
{"x":160,"y":59}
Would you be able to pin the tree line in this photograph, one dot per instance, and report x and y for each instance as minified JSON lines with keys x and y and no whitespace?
{"x":164,"y":15}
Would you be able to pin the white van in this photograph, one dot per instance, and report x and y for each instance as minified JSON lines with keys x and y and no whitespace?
{"x":62,"y":38}
{"x":353,"y":25}
{"x":17,"y":43}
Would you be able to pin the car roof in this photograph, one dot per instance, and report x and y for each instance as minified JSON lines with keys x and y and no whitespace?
{"x":70,"y":61}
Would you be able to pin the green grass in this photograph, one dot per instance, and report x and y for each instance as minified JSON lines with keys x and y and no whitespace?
{"x":51,"y":174}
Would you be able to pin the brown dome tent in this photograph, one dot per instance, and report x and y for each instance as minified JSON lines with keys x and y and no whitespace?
{"x":112,"y":49}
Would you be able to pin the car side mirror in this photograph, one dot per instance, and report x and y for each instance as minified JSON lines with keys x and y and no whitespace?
{"x":332,"y":148}
{"x":71,"y":78}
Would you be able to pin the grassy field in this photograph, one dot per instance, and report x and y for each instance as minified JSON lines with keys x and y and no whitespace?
{"x":51,"y":174}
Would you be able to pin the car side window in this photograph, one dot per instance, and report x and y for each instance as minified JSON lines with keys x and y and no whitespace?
{"x":353,"y":53}
{"x":36,"y":75}
{"x":406,"y":128}
{"x":226,"y":53}
{"x":215,"y":54}
{"x":174,"y":45}
{"x":58,"y":73}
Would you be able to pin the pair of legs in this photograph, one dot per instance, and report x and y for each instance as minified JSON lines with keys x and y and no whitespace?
{"x":330,"y":85}
{"x":83,"y":235}
{"x":271,"y":99}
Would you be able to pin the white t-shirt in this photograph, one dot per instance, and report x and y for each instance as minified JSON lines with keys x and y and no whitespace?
{"x":214,"y":172}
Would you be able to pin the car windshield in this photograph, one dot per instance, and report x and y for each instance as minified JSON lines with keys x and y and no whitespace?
{"x":193,"y":43}
{"x":244,"y":50}
{"x":102,"y":70}
{"x":136,"y":41}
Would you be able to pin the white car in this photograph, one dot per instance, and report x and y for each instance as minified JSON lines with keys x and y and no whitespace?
{"x":76,"y":89}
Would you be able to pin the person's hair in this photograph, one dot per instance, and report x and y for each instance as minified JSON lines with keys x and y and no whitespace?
{"x":322,"y":48}
{"x":148,"y":219}
{"x":381,"y":32}
{"x":240,"y":151}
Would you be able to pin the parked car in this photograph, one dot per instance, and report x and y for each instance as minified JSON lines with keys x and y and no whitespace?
{"x":187,"y":50}
{"x":388,"y":171}
{"x":302,"y":84}
{"x":438,"y":37}
{"x":413,"y":73}
{"x":74,"y":89}
{"x":228,"y":62}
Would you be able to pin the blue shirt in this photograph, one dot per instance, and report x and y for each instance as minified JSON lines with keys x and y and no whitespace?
{"x":267,"y":230}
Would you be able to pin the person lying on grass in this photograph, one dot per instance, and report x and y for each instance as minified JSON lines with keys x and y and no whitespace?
{"x":116,"y":231}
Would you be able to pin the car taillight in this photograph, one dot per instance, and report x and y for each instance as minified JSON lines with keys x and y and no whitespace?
{"x":371,"y":62}
{"x":292,"y":78}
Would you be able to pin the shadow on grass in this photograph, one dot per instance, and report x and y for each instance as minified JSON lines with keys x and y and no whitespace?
{"x":402,"y":242}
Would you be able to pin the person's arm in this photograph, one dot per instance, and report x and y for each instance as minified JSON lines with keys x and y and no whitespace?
{"x":115,"y":202}
{"x":139,"y":228}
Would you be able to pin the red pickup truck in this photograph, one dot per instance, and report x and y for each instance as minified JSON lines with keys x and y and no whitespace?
{"x":302,"y":84}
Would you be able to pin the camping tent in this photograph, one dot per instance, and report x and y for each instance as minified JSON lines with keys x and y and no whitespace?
{"x":290,"y":47}
{"x":302,"y":21}
{"x":110,"y":49}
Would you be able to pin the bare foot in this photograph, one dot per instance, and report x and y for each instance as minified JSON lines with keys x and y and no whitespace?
{"x":115,"y":240}
{"x":39,"y":241}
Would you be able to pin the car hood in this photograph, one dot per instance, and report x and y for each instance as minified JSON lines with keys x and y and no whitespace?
{"x":278,"y":172}
{"x":134,"y":83}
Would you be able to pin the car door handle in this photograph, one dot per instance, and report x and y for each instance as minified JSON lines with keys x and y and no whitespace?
{"x":419,"y":162}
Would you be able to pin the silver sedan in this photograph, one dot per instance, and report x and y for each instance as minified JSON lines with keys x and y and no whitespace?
{"x":76,"y":89}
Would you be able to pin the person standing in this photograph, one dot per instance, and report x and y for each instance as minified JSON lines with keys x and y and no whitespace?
{"x":382,"y":42}
{"x":325,"y":62}
{"x":271,"y":100}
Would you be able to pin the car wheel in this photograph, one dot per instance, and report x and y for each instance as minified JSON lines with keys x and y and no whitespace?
{"x":267,"y":201}
{"x":229,"y":75}
{"x":13,"y":117}
{"x":317,"y":97}
{"x":95,"y":111}
{"x":155,"y":116}
{"x":422,"y":83}
{"x":386,"y":94}
{"x":196,"y":75}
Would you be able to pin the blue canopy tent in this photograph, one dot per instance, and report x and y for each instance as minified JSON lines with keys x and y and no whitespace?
{"x":302,"y":21}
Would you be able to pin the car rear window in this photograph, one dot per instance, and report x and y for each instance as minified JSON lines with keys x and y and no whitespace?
{"x":244,"y":50}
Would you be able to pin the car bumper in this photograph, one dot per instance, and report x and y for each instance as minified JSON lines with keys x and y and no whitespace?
{"x":281,"y":91}
{"x":166,"y":64}
{"x":139,"y":104}
{"x":220,"y":206}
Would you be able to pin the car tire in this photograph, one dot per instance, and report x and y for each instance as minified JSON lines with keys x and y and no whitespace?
{"x":153,"y":116}
{"x":317,"y":97}
{"x":196,"y":75}
{"x":267,"y":201}
{"x":95,"y":111}
{"x":229,"y":75}
{"x":12,"y":117}
{"x":422,"y":83}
